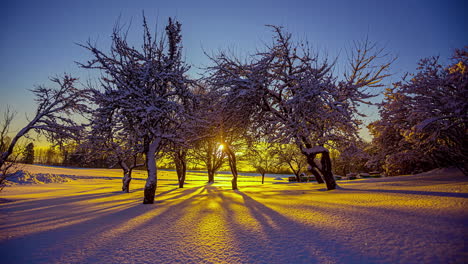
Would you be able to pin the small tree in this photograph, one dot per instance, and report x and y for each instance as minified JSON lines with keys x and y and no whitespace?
{"x":6,"y":168}
{"x":110,"y":139}
{"x":289,"y":154}
{"x":28,"y":154}
{"x":207,"y":152}
{"x":351,"y":157}
{"x":206,"y":135}
{"x":263,"y":156}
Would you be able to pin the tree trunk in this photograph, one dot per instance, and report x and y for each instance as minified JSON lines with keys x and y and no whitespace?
{"x":181,"y":167}
{"x":181,"y":175}
{"x":233,"y":166}
{"x":313,"y":167}
{"x":318,"y":176}
{"x":263,"y":178}
{"x":298,"y":177}
{"x":327,"y":171}
{"x":126,"y":178}
{"x":234,"y":179}
{"x":126,"y":181}
{"x":151,"y":181}
{"x":211,"y":174}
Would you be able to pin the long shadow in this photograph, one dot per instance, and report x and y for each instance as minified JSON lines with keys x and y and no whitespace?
{"x":317,"y":241}
{"x":162,"y":230}
{"x":25,"y":204}
{"x":164,"y":193}
{"x":183,"y":192}
{"x":51,"y":245}
{"x":286,"y":240}
{"x":430,"y":193}
{"x":38,"y":207}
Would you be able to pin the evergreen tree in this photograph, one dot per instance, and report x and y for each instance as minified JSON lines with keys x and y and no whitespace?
{"x":28,"y":154}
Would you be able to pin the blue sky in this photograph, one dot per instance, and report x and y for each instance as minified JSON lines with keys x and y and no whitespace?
{"x":38,"y":37}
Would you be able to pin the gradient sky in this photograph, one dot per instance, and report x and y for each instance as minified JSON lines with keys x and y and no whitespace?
{"x":38,"y":37}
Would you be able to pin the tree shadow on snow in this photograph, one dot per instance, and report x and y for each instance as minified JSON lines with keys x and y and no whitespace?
{"x":413,"y":192}
{"x":83,"y":227}
{"x":284,"y":240}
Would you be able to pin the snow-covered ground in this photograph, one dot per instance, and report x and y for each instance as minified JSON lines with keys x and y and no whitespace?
{"x":407,"y":219}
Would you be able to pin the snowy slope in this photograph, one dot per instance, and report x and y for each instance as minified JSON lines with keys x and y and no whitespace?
{"x":407,"y":219}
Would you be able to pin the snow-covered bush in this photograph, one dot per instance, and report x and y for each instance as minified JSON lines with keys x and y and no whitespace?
{"x":424,"y":118}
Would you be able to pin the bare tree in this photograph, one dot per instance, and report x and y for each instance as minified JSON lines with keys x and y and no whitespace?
{"x":206,"y":138}
{"x":146,"y":88}
{"x":53,"y":117}
{"x":207,"y":152}
{"x":296,"y":98}
{"x":263,"y":156}
{"x":5,"y":124}
{"x":291,"y":156}
{"x":235,"y":107}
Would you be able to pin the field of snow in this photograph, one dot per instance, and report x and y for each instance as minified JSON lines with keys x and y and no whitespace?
{"x":87,"y":219}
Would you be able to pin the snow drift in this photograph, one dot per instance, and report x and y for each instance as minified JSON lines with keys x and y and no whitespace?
{"x":25,"y":177}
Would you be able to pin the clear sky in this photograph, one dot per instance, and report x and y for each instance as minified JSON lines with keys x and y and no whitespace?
{"x":38,"y":37}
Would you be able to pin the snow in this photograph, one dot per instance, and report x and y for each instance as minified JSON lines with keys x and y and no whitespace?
{"x":406,"y":219}
{"x":316,"y":149}
{"x":25,"y":177}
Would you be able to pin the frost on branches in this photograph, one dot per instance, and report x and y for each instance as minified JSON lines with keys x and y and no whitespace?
{"x":146,"y":89}
{"x":424,"y":118}
{"x":53,"y":118}
{"x":294,"y":96}
{"x":112,"y":141}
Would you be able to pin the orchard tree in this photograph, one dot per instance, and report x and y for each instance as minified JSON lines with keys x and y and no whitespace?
{"x":234,"y":111}
{"x":53,"y":117}
{"x":179,"y":150}
{"x":292,"y":157}
{"x":112,"y":141}
{"x":351,"y":158}
{"x":263,"y":156}
{"x":206,"y":145}
{"x":438,"y":96}
{"x":146,"y":88}
{"x":296,"y":98}
{"x":6,"y":168}
{"x":208,"y":153}
{"x":189,"y":129}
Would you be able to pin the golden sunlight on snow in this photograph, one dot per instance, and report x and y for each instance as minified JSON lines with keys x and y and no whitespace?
{"x":407,"y":219}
